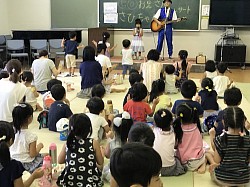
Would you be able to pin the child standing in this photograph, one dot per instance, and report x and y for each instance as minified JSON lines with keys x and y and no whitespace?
{"x":137,"y":43}
{"x":182,"y":69}
{"x":71,"y":47}
{"x":164,"y":143}
{"x":232,"y":151}
{"x":138,"y":107}
{"x":121,"y":126}
{"x":158,"y":88}
{"x":81,"y":154}
{"x":208,"y":98}
{"x":127,"y":59}
{"x":221,"y":82}
{"x":189,"y":140}
{"x":96,"y":106}
{"x":58,"y":109}
{"x":170,"y":79}
{"x":31,"y":93}
{"x":25,"y":148}
{"x":11,"y":170}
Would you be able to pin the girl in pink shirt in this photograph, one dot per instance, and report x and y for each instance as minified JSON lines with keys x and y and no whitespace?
{"x":189,"y":140}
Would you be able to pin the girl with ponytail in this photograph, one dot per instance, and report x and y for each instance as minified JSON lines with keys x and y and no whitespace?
{"x":11,"y":170}
{"x":12,"y":91}
{"x":208,"y":98}
{"x":182,"y":69}
{"x":232,"y":151}
{"x":81,"y":154}
{"x":189,"y":139}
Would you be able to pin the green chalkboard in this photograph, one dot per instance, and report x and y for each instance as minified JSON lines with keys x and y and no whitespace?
{"x":74,"y":13}
{"x":129,"y":10}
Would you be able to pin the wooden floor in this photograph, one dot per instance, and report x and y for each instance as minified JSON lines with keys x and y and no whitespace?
{"x":237,"y":75}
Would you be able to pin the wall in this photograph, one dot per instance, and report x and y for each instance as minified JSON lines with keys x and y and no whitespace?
{"x":29,"y":14}
{"x":4,"y":21}
{"x":35,"y":14}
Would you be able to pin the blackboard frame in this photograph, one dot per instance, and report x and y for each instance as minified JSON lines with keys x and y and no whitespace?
{"x":101,"y":24}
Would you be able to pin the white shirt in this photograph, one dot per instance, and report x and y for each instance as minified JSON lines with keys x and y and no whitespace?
{"x":170,"y":83}
{"x":151,"y":71}
{"x":103,"y":60}
{"x":107,"y":43}
{"x":42,"y":70}
{"x":30,"y":97}
{"x":158,"y":13}
{"x":20,"y":148}
{"x":127,"y":57}
{"x":97,"y":122}
{"x":220,"y":84}
{"x":164,"y":144}
{"x":211,"y":75}
{"x":10,"y":95}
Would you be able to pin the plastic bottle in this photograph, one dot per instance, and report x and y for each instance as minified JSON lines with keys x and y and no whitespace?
{"x":110,"y":106}
{"x":46,"y":180}
{"x":53,"y":154}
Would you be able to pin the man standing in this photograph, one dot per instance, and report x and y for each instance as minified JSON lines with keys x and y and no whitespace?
{"x":168,"y":16}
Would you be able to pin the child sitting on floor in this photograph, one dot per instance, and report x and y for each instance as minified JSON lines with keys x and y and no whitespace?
{"x":25,"y":148}
{"x":47,"y":97}
{"x":108,"y":81}
{"x":31,"y":92}
{"x":158,"y":88}
{"x":81,"y":154}
{"x":208,"y":98}
{"x":58,"y":109}
{"x":189,"y":139}
{"x":121,"y":127}
{"x":170,"y":79}
{"x":221,"y":82}
{"x":96,"y":106}
{"x":135,"y":164}
{"x":164,"y":143}
{"x":138,"y":107}
{"x":11,"y":170}
{"x":232,"y":150}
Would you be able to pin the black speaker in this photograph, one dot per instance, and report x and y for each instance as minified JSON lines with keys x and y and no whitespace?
{"x":230,"y":53}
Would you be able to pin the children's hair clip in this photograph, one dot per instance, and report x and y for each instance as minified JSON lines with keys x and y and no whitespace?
{"x":117,"y":121}
{"x":181,"y":115}
{"x":3,"y":138}
{"x":125,"y":115}
{"x":163,"y":114}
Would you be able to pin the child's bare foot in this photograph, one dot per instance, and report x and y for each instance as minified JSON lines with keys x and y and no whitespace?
{"x":202,"y":169}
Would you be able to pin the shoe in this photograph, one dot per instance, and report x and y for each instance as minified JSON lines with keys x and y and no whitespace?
{"x":73,"y":75}
{"x":170,"y":57}
{"x":243,"y":67}
{"x":68,"y":75}
{"x":162,"y":58}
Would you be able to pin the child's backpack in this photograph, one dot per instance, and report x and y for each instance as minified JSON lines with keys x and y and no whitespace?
{"x":43,"y":119}
{"x":209,"y":122}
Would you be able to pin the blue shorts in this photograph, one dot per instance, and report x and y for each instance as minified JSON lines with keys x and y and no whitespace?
{"x":125,"y":68}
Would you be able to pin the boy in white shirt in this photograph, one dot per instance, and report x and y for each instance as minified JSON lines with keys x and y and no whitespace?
{"x":221,"y":82}
{"x":127,"y":57}
{"x":96,"y":106}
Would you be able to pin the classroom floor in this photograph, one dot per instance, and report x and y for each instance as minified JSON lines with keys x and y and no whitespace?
{"x":190,"y":179}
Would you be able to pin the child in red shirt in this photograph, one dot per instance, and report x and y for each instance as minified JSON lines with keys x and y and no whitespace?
{"x":137,"y":107}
